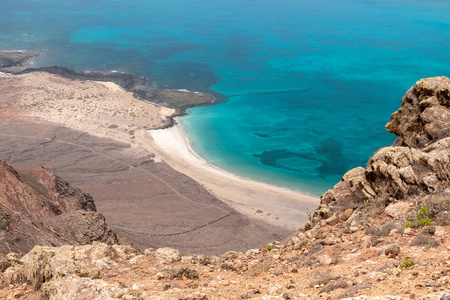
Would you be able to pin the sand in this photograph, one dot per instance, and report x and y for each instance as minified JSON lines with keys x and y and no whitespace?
{"x":103,"y":109}
{"x":274,"y":204}
{"x":106,"y":110}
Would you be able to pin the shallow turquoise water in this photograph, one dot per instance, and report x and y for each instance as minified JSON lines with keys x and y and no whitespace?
{"x":310,"y":84}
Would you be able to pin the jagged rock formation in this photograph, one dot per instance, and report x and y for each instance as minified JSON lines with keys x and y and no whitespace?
{"x":417,"y":166}
{"x":39,"y":208}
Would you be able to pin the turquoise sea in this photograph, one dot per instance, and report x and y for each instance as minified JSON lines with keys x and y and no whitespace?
{"x":309,"y":85}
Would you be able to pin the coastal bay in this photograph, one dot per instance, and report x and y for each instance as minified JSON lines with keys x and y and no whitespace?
{"x":131,"y":179}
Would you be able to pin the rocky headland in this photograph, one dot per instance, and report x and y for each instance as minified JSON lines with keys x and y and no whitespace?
{"x":381,"y":233}
{"x":39,"y":208}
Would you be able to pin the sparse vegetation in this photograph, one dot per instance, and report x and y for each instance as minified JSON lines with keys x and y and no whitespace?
{"x":407,"y":264}
{"x":113,"y":126}
{"x":269,"y":247}
{"x":423,"y":217}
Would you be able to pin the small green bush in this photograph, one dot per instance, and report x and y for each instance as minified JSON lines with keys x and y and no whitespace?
{"x":408,"y":224}
{"x":407,"y":263}
{"x":269,"y":247}
{"x":423,"y":217}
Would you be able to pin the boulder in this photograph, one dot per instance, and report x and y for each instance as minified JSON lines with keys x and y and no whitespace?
{"x":393,"y":250}
{"x":167,"y":255}
{"x":398,"y":210}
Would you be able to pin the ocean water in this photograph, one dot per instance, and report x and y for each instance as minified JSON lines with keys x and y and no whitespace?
{"x":309,"y":85}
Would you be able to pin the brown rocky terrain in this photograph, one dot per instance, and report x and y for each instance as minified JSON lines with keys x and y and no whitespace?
{"x":380,"y":233}
{"x":39,"y":208}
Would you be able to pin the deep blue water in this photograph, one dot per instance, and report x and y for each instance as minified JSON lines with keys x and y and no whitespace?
{"x":310,"y":84}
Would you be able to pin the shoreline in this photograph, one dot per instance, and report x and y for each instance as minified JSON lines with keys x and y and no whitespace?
{"x":19,"y":62}
{"x":107,"y":110}
{"x":274,"y":204}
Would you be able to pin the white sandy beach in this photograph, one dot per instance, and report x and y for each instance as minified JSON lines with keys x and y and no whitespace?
{"x":279,"y":206}
{"x":106,"y":110}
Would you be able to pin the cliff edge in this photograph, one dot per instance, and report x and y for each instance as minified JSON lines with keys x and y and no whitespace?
{"x":39,"y":208}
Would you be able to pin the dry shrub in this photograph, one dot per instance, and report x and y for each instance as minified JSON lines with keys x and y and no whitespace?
{"x":352,"y":291}
{"x":323,"y":278}
{"x":425,"y":240}
{"x":228,"y":266}
{"x":386,"y":229}
{"x":258,"y":268}
{"x":334,"y":286}
{"x":184,"y":272}
{"x":310,"y":261}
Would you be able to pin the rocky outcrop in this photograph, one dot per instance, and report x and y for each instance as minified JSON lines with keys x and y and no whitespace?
{"x":71,"y":272}
{"x":39,"y":208}
{"x":417,"y":166}
{"x":424,"y":117}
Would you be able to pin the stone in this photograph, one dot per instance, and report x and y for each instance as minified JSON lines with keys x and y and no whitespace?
{"x":333,"y":220}
{"x":346,"y":214}
{"x":393,"y":250}
{"x":274,"y":290}
{"x":408,"y":175}
{"x":421,"y":119}
{"x":445,"y":297}
{"x":66,"y":215}
{"x":325,"y":260}
{"x":398,"y":210}
{"x":308,"y":226}
{"x":168,"y":255}
{"x":149,"y":251}
{"x":430,"y":181}
{"x":354,"y":229}
{"x":439,"y":231}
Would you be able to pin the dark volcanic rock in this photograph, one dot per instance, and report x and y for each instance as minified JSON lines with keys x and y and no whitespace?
{"x":37,"y":207}
{"x":10,"y":59}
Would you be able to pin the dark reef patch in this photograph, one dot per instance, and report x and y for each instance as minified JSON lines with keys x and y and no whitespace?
{"x":271,"y":158}
{"x":262,"y":135}
{"x":329,"y":154}
{"x":184,"y":75}
{"x":332,"y":158}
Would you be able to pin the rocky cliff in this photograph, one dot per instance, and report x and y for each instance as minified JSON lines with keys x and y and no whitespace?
{"x":380,"y":233}
{"x":39,"y":208}
{"x":415,"y":168}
